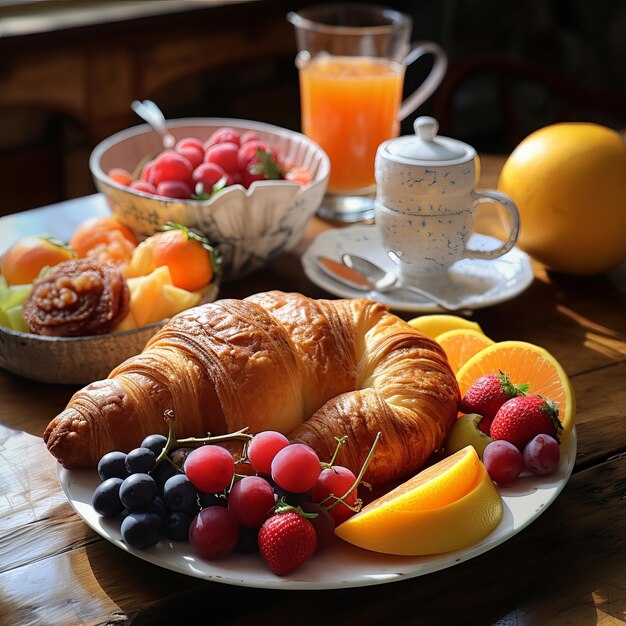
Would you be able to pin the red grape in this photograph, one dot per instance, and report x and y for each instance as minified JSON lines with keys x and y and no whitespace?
{"x":210,"y":468}
{"x":250,"y":501}
{"x":207,"y":174}
{"x":213,"y":533}
{"x":503,"y":461}
{"x":224,"y":155}
{"x":170,"y":165}
{"x":142,"y":185}
{"x":296,"y":468}
{"x":145,"y":171}
{"x":223,"y":135}
{"x":247,"y":152}
{"x":263,"y":448}
{"x":193,"y":154}
{"x":542,"y":454}
{"x":174,"y":189}
{"x":336,"y":481}
{"x":189,"y":141}
{"x":249,"y":135}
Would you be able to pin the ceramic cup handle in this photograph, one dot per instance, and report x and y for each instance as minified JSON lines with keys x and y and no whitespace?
{"x":432,"y":81}
{"x":490,"y":195}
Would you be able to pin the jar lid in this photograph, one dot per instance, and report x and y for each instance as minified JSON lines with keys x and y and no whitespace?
{"x":427,"y":148}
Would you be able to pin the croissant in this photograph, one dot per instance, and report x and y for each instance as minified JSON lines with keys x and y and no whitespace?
{"x":312,"y":369}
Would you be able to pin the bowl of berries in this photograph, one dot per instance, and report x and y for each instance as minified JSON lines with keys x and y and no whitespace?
{"x":249,"y":187}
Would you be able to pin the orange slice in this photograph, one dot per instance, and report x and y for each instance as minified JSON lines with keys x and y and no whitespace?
{"x":448,"y":506}
{"x":525,"y":363}
{"x":462,"y":344}
{"x":438,"y":323}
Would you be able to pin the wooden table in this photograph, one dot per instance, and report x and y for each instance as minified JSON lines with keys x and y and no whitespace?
{"x":567,"y":567}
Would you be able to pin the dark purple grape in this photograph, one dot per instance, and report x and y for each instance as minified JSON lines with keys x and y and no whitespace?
{"x":176,"y":525}
{"x":138,"y":492}
{"x":247,"y":542}
{"x":295,"y":499}
{"x":140,"y":461}
{"x":112,"y":465}
{"x":155,"y":442}
{"x":323,"y":523}
{"x":162,"y":472}
{"x":179,"y":493}
{"x":106,"y":498}
{"x":141,"y":529}
{"x":158,"y":506}
{"x":212,"y":499}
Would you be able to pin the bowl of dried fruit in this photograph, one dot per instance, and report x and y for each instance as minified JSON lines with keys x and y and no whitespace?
{"x":77,"y":302}
{"x":249,"y":187}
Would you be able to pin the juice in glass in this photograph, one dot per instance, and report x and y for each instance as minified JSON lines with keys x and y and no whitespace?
{"x":350,"y":106}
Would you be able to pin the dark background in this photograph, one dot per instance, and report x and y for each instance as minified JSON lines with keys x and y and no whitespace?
{"x":514,"y":67}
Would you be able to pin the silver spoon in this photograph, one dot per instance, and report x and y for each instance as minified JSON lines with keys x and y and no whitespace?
{"x":384,"y":281}
{"x":150,"y":112}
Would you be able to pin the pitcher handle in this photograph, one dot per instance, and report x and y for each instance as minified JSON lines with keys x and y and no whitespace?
{"x":491,"y":195}
{"x":432,"y":81}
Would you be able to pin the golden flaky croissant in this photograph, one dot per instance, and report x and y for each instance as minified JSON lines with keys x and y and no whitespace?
{"x":312,"y":369}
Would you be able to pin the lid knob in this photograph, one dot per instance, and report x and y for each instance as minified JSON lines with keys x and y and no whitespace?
{"x":426,"y":128}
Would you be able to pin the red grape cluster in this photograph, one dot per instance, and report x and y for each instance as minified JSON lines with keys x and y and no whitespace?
{"x":194,"y":169}
{"x":205,"y":500}
{"x":505,"y":462}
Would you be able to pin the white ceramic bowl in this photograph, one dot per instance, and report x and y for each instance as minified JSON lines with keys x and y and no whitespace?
{"x":248,"y":226}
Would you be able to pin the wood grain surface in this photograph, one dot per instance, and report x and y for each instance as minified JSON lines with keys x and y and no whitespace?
{"x":567,"y":567}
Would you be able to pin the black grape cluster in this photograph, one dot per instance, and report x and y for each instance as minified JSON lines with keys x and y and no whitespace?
{"x":153,"y":499}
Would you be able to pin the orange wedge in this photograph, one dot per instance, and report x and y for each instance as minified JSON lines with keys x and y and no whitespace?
{"x":525,"y":363}
{"x":462,"y":344}
{"x":448,"y":506}
{"x":438,"y":323}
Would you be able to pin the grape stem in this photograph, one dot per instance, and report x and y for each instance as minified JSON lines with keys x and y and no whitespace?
{"x":195,"y":442}
{"x":357,"y":480}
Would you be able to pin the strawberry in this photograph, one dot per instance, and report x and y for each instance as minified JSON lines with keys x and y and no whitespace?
{"x":487,"y":394}
{"x":518,"y":420}
{"x":287,"y":539}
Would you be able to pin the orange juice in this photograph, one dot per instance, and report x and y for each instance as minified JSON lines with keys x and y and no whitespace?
{"x":349,"y":106}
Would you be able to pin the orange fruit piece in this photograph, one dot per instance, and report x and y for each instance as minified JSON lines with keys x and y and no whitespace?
{"x":23,"y":261}
{"x":102,"y":230}
{"x":189,"y":261}
{"x":448,"y":506}
{"x":462,"y":344}
{"x":525,"y":363}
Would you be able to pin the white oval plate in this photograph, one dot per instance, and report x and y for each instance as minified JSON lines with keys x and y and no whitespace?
{"x":340,"y":565}
{"x":471,"y":284}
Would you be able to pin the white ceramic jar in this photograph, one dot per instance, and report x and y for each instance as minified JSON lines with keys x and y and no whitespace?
{"x":426,"y":201}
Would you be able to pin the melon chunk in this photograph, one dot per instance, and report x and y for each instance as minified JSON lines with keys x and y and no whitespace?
{"x":145,"y":295}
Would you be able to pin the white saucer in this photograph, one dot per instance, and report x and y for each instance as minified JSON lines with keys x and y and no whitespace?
{"x":471,"y":284}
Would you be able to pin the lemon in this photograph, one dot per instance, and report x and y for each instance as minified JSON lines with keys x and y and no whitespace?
{"x":568,"y":181}
{"x":448,"y":506}
{"x":438,"y":323}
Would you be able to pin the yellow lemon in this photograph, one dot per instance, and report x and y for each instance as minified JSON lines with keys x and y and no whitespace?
{"x":438,"y":323}
{"x":448,"y":506}
{"x":525,"y":363}
{"x":568,"y":181}
{"x":462,"y":344}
